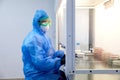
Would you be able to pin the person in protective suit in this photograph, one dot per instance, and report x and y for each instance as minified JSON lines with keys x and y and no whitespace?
{"x":40,"y":60}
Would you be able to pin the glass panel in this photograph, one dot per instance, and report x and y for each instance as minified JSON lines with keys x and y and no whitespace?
{"x":89,"y":62}
{"x":61,"y":25}
{"x":82,"y":36}
{"x":97,"y":77}
{"x":96,"y":34}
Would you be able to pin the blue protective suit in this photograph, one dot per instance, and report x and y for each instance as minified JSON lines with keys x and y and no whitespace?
{"x":40,"y":60}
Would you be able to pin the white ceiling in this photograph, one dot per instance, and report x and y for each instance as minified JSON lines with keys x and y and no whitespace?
{"x":88,"y":3}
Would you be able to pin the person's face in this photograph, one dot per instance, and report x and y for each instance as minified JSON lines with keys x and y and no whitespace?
{"x":45,"y":28}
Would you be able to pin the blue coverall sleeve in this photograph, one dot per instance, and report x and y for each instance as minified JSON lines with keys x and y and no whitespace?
{"x":41,"y":60}
{"x":59,"y":54}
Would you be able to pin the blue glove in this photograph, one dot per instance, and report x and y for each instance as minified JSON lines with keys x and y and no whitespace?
{"x":59,"y":54}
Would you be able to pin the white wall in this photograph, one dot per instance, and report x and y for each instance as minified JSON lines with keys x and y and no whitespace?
{"x":107,"y":27}
{"x":15,"y":22}
{"x":82,"y":28}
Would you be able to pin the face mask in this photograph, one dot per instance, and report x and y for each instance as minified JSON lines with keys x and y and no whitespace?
{"x":45,"y":28}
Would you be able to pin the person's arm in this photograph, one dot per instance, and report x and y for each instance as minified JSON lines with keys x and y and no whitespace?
{"x":59,"y":54}
{"x":41,"y":60}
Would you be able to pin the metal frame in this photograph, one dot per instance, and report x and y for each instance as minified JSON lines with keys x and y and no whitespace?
{"x":70,"y":31}
{"x":70,"y":47}
{"x":109,"y":71}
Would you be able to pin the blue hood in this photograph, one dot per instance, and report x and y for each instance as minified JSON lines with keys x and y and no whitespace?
{"x":40,"y":14}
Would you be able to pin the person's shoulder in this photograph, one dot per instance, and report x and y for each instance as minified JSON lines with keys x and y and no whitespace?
{"x":29,"y":38}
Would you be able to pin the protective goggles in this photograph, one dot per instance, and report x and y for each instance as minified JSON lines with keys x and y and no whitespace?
{"x":44,"y":22}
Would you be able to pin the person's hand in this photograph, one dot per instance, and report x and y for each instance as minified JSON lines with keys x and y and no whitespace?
{"x":59,"y":54}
